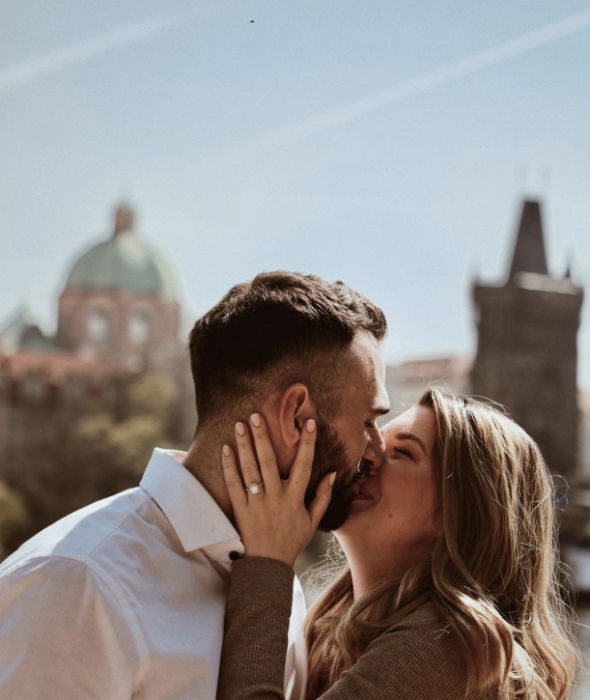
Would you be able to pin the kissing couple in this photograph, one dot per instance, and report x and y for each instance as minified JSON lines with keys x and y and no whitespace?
{"x":183,"y":587}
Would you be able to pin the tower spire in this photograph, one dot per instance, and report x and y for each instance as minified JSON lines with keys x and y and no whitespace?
{"x":529,"y":248}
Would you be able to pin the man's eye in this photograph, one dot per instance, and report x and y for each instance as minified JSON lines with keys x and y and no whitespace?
{"x":370,"y":425}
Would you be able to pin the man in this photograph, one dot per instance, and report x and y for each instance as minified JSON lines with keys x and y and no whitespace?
{"x":125,"y":598}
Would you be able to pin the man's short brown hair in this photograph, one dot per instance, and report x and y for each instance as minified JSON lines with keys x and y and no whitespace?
{"x":280,"y":326}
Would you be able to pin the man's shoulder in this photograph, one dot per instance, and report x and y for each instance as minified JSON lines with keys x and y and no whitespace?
{"x":83,"y":534}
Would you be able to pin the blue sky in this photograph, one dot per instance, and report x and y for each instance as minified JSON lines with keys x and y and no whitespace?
{"x":385,"y":144}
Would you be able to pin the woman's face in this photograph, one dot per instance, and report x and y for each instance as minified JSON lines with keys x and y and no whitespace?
{"x":395,"y":510}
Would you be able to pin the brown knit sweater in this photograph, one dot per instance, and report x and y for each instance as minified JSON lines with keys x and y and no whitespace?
{"x":414,"y":659}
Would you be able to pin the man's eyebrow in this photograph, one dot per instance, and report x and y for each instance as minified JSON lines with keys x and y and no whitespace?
{"x":415,"y":438}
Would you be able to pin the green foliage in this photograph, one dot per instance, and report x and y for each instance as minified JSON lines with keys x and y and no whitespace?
{"x":72,"y":460}
{"x":152,"y":394}
{"x":116,"y":452}
{"x":13,"y":517}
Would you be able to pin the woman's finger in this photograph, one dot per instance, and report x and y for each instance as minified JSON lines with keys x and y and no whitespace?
{"x":301,"y":469}
{"x":267,"y":460}
{"x":320,"y":503}
{"x":247,"y":456}
{"x":233,"y":480}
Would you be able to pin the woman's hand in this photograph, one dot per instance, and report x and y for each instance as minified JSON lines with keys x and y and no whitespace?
{"x":273,"y":522}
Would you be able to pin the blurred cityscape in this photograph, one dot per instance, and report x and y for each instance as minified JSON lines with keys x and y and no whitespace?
{"x":81,"y":409}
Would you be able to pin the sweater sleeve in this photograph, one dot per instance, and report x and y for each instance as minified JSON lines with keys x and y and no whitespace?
{"x":416,"y":658}
{"x":256,"y":630}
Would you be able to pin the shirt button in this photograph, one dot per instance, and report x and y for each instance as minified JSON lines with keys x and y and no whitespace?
{"x":233,"y":555}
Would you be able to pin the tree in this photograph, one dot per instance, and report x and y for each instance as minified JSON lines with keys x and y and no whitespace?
{"x":13,"y":518}
{"x":72,"y":460}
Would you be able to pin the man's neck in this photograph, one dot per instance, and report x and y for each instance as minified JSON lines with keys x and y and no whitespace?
{"x":203,"y":460}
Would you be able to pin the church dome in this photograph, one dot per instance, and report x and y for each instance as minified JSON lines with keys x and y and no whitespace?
{"x":123,"y":263}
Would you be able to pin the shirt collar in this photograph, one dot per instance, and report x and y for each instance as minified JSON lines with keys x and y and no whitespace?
{"x":197,"y":519}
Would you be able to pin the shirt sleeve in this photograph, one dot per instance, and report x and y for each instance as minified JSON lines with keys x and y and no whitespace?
{"x":296,"y":665}
{"x":416,"y":658}
{"x":63,"y":634}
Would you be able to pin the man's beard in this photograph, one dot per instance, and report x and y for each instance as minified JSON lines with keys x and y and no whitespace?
{"x":330,"y":456}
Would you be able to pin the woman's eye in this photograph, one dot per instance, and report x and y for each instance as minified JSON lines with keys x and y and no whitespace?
{"x":402,"y":451}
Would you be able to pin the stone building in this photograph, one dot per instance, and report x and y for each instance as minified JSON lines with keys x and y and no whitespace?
{"x":526,"y":355}
{"x":118,"y":318}
{"x":406,"y":381}
{"x":118,"y":315}
{"x":120,"y":303}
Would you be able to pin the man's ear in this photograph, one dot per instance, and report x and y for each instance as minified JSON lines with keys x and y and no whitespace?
{"x":295,"y":407}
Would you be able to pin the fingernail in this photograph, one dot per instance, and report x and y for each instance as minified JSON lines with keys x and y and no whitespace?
{"x":310,"y":425}
{"x":332,"y":478}
{"x":256,"y":420}
{"x":226,"y":450}
{"x":240,"y":429}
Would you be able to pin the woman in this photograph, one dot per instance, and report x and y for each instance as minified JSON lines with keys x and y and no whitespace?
{"x":451,"y":587}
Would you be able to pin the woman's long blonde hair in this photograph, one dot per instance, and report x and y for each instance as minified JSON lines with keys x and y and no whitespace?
{"x":493,"y":575}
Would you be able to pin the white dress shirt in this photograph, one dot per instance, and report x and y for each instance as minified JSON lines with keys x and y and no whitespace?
{"x":126,"y":598}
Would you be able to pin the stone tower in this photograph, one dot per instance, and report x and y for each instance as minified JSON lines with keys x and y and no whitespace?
{"x":527,"y":345}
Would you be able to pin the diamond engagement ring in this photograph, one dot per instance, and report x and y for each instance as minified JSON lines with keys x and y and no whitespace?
{"x":254,"y":488}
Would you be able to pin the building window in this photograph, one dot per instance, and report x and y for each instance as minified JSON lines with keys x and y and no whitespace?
{"x":97,"y":326}
{"x":34,"y":386}
{"x":139,"y":328}
{"x":73,"y":389}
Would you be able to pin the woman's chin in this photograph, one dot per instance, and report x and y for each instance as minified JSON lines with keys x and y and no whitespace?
{"x":357,"y":506}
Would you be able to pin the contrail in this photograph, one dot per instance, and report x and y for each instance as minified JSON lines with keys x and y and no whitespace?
{"x":449,"y":73}
{"x":21,"y":73}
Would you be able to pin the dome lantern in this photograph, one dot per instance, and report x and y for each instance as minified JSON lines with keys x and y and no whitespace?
{"x":124,"y":219}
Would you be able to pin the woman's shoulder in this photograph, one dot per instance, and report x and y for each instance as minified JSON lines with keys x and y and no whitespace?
{"x":422,"y":647}
{"x":424,"y":620}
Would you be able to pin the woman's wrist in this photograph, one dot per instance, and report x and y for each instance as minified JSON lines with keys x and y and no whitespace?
{"x":285,"y":558}
{"x":263,"y":580}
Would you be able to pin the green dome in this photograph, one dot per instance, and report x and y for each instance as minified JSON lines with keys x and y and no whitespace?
{"x":123,"y":263}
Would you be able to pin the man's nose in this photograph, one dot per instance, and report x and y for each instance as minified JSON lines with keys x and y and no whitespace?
{"x":377,"y":444}
{"x":374,"y":453}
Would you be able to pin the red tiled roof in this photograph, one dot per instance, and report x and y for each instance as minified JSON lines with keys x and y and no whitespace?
{"x":442,"y":367}
{"x":55,"y":366}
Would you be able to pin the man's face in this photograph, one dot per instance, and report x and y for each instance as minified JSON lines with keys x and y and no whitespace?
{"x":353,"y":435}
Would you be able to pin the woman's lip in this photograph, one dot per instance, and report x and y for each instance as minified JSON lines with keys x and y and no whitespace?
{"x":362,"y":497}
{"x":361,"y":502}
{"x":362,"y":491}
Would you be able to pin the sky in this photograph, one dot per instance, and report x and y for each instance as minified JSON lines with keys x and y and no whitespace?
{"x":385,"y":144}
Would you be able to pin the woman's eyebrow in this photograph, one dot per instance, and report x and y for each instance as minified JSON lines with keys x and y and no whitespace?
{"x":415,"y":438}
